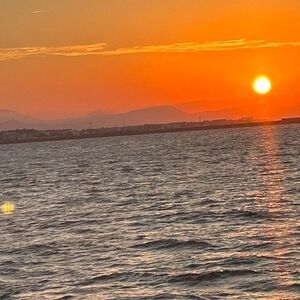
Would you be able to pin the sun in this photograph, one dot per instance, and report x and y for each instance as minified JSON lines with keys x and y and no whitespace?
{"x":262,"y":85}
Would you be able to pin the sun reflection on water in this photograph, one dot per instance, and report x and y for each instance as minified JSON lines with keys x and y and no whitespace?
{"x":279,"y":229}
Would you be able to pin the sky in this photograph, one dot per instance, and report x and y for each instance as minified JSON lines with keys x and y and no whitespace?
{"x":65,"y":58}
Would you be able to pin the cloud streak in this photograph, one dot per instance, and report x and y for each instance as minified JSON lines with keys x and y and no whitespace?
{"x":101,"y":49}
{"x":229,"y":45}
{"x":79,"y":50}
{"x":37,"y":12}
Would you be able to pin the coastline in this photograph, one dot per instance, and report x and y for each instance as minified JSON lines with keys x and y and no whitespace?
{"x":139,"y":130}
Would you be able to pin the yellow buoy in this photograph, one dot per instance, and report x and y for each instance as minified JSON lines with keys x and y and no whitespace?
{"x":8,"y":208}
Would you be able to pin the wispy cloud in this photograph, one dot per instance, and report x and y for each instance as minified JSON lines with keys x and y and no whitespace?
{"x":228,"y":45}
{"x":37,"y":12}
{"x":101,"y":49}
{"x":79,"y":50}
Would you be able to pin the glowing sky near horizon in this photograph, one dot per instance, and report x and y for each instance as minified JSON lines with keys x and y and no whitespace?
{"x":69,"y":57}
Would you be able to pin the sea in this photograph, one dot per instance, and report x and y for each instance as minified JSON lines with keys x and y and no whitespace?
{"x":191,"y":215}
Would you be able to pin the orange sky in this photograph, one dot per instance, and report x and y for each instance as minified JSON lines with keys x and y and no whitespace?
{"x":69,"y":57}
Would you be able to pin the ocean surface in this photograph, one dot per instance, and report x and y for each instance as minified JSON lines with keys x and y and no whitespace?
{"x":191,"y":215}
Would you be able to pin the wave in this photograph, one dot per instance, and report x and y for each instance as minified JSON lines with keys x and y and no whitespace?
{"x":196,"y":278}
{"x":167,"y":296}
{"x":66,"y":297}
{"x":244,"y":213}
{"x":123,"y":277}
{"x":238,"y":260}
{"x":174,"y":244}
{"x":294,"y":287}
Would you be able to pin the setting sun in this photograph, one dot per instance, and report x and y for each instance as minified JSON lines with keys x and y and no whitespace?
{"x":262,"y":85}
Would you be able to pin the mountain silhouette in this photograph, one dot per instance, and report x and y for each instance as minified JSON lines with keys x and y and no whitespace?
{"x":10,"y":120}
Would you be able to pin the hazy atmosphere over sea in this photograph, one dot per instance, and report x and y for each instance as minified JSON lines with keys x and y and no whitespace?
{"x":192,"y":215}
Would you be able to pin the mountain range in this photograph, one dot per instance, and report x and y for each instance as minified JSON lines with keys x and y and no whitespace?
{"x":11,"y":120}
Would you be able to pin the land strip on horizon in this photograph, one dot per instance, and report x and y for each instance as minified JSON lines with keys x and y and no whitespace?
{"x":31,"y":135}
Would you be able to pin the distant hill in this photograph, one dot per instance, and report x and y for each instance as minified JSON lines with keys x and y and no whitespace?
{"x":203,"y":111}
{"x":228,"y":113}
{"x":8,"y":115}
{"x":194,"y":106}
{"x":249,"y":112}
{"x":10,"y":120}
{"x":150,"y":115}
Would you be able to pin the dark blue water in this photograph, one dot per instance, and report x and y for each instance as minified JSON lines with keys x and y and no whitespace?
{"x":194,"y":215}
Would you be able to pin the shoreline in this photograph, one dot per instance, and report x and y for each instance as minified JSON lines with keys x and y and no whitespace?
{"x":141,"y":130}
